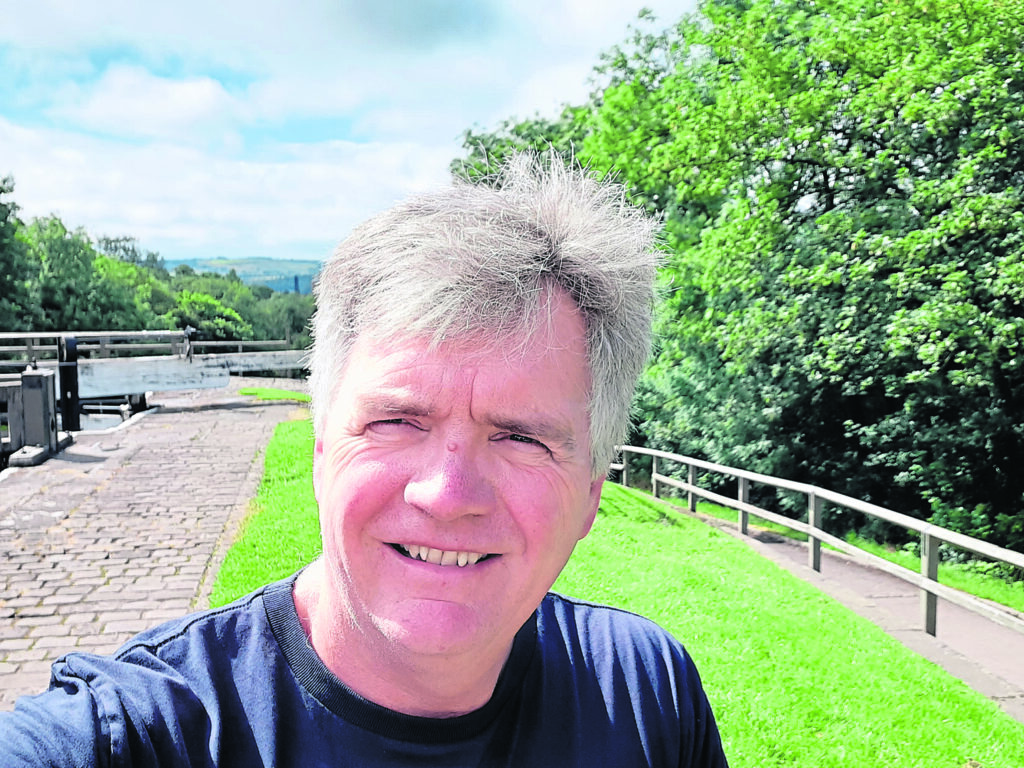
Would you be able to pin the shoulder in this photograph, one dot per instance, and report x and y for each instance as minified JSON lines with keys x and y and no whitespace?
{"x":618,"y":651}
{"x":184,"y":659}
{"x":624,"y":669}
{"x":191,"y":640}
{"x":601,"y":628}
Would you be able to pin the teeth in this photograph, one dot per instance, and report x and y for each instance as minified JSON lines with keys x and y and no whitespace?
{"x":441,"y":557}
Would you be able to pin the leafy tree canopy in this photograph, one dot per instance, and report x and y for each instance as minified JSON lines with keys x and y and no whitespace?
{"x":841,"y":183}
{"x":54,"y":279}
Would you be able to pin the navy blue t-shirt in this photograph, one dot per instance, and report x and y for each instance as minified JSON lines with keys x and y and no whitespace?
{"x":240,"y":686}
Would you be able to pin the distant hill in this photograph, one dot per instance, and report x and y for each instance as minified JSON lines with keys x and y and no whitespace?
{"x":279,"y":274}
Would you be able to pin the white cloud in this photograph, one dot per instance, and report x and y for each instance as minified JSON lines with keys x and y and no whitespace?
{"x":234,"y":128}
{"x":129,"y":101}
{"x":181,"y":200}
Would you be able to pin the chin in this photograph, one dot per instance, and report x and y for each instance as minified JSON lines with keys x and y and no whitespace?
{"x":432,"y":628}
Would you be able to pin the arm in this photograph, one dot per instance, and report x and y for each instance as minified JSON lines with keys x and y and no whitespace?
{"x":60,"y":728}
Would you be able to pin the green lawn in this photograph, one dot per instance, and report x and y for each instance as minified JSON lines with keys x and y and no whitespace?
{"x":795,"y":678}
{"x":969,"y":577}
{"x":270,"y":393}
{"x":282,"y":534}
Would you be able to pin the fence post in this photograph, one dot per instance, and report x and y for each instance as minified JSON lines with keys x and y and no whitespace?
{"x":814,"y":524}
{"x":625,"y":467}
{"x":743,"y":496}
{"x":654,"y":476}
{"x":930,"y":570}
{"x":691,"y":497}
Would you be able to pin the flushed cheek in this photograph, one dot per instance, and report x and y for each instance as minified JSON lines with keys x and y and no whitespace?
{"x":350,"y":501}
{"x":549,"y":522}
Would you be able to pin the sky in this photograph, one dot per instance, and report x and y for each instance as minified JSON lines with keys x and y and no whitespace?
{"x":269,"y":129}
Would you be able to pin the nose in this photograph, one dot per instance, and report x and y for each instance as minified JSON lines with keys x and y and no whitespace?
{"x":452,"y":483}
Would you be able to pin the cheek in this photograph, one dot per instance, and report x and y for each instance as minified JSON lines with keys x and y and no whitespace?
{"x":553,"y":516}
{"x":353,"y":489}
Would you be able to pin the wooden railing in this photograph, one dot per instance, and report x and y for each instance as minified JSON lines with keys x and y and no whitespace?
{"x":931,"y":535}
{"x":127,"y":364}
{"x":36,"y":346}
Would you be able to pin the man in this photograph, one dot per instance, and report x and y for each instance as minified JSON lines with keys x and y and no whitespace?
{"x":474,"y":358}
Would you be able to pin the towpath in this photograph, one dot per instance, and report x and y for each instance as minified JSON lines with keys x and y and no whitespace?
{"x":125,"y":528}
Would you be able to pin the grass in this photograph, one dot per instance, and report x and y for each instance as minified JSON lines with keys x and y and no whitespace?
{"x":795,"y":678}
{"x":270,"y":393}
{"x":968,"y":577}
{"x":282,"y":534}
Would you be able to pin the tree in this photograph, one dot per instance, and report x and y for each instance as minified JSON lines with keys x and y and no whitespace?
{"x":65,"y":283}
{"x":127,"y":249}
{"x":16,"y":310}
{"x":845,"y":303}
{"x":212,"y":319}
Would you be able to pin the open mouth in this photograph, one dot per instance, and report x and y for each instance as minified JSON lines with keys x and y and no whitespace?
{"x":440,"y":556}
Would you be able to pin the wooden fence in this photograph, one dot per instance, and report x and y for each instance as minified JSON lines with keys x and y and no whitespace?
{"x":37,"y":346}
{"x":124,"y":365}
{"x":931,"y":535}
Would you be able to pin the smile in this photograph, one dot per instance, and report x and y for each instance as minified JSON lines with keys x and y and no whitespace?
{"x":439,"y":556}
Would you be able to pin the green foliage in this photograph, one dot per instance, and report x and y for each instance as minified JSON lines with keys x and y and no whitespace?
{"x":15,"y":298}
{"x":842,"y":184}
{"x":214,"y":320}
{"x":74,"y":287}
{"x":267,"y":314}
{"x":127,"y":249}
{"x":52,"y":279}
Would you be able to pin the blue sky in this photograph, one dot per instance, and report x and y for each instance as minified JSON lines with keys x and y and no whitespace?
{"x":234,"y":129}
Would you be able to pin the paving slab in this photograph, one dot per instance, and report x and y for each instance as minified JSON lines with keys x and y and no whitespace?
{"x":125,"y":527}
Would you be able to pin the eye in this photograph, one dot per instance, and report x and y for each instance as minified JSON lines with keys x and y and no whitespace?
{"x":526,"y":441}
{"x":392,"y":425}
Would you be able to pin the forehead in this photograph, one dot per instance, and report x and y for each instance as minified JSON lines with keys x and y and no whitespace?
{"x":545,"y":366}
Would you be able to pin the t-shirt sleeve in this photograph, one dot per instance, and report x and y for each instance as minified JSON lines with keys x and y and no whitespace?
{"x":65,"y":726}
{"x":701,"y":746}
{"x":633,"y":682}
{"x":102,"y":713}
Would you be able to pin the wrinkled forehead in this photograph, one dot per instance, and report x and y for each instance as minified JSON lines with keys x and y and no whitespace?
{"x":544,"y":321}
{"x":481,"y":347}
{"x":555,"y":331}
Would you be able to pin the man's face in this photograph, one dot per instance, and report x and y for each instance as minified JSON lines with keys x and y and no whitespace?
{"x":453,"y":486}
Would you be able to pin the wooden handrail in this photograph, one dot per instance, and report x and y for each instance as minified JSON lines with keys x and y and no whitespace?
{"x":23,"y":346}
{"x":926,"y":581}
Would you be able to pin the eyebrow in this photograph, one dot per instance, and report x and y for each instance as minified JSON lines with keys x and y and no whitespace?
{"x":388,"y":403}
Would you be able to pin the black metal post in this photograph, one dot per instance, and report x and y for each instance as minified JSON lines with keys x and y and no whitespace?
{"x":67,"y":367}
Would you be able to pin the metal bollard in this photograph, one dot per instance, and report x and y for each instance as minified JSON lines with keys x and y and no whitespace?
{"x":39,"y":406}
{"x":67,"y":350}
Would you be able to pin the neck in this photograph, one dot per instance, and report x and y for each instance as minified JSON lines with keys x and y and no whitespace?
{"x":386,"y":673}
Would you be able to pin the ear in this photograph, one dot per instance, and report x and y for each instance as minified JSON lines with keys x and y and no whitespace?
{"x":593,"y":502}
{"x":318,"y":467}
